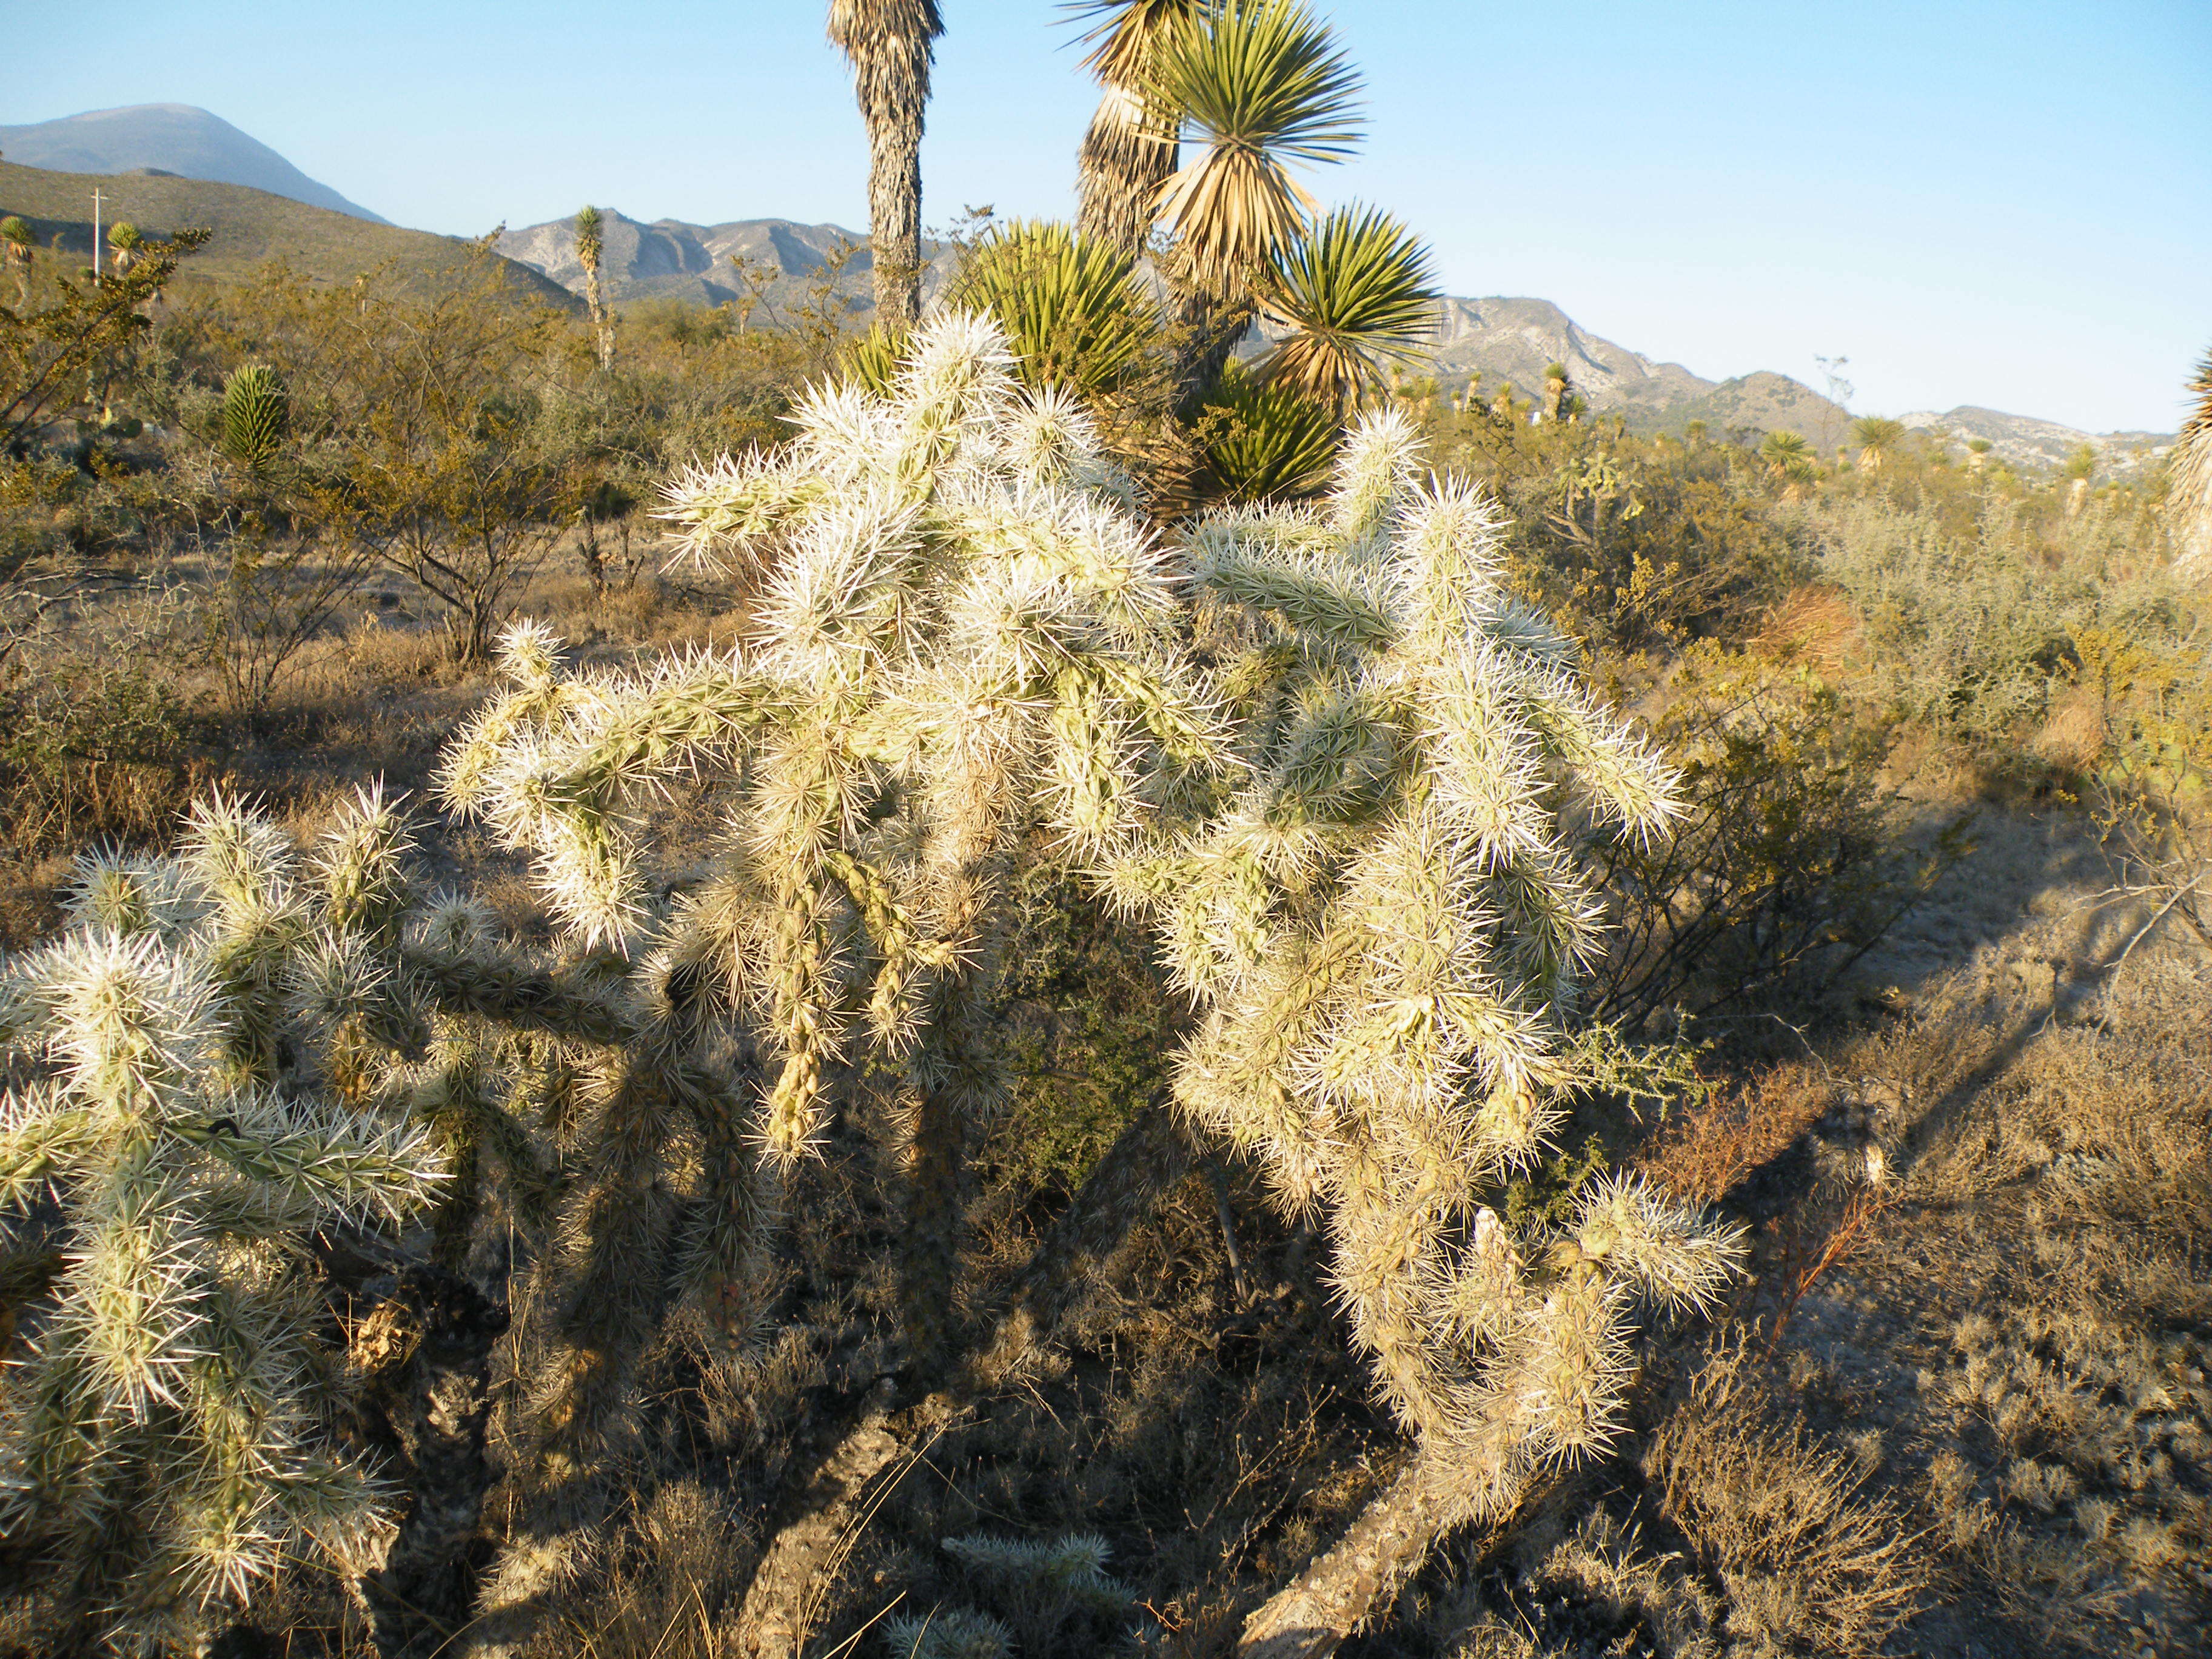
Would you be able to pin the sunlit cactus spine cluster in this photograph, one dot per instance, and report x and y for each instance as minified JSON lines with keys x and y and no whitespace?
{"x":184,"y":1110}
{"x":965,"y":651}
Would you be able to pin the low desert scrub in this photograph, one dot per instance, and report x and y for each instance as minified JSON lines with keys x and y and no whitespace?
{"x":1808,"y":1560}
{"x":1979,"y":636}
{"x":1791,"y":862}
{"x":2021,"y":1327}
{"x":1706,"y":1150}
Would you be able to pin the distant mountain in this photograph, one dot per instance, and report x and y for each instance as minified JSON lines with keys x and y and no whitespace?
{"x":251,"y":227}
{"x":1512,"y":341}
{"x":1504,"y":340}
{"x":669,"y":259}
{"x":161,"y":138}
{"x":2028,"y":442}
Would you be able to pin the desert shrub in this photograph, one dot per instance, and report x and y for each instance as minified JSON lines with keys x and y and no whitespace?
{"x":93,"y":750}
{"x":1632,"y":544}
{"x":2149,"y":705}
{"x":1789,"y":863}
{"x":1973,"y":635}
{"x":1808,"y":1560}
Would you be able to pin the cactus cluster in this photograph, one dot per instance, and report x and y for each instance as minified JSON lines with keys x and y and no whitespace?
{"x":966,"y":656}
{"x":1345,"y":775}
{"x":1386,"y":926}
{"x":189,"y":1100}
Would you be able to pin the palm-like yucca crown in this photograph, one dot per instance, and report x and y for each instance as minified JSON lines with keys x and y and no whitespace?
{"x":1387,"y":927}
{"x":1260,"y":84}
{"x":1355,"y":293}
{"x":166,"y":1428}
{"x":965,"y":634}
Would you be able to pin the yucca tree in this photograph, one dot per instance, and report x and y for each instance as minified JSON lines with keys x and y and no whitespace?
{"x":891,"y":44}
{"x":967,"y":639}
{"x":590,"y":244}
{"x":1556,"y":390}
{"x":18,"y":244}
{"x":1354,"y":294}
{"x":2189,"y":483}
{"x":1780,"y":449}
{"x":1261,"y":86}
{"x":1131,"y":146}
{"x":125,"y":243}
{"x":1070,"y":306}
{"x":1876,"y":436}
{"x":1386,"y":928}
{"x":184,"y":1082}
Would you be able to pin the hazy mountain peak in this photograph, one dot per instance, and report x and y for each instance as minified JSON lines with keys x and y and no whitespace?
{"x":181,"y":139}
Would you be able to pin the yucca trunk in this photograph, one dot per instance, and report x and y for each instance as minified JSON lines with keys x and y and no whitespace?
{"x":1209,"y":328}
{"x":603,"y":333}
{"x":890,"y":43}
{"x":1128,"y":152}
{"x":2189,"y":495}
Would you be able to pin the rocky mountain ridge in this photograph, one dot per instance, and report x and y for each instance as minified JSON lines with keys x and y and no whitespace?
{"x":1502,"y":340}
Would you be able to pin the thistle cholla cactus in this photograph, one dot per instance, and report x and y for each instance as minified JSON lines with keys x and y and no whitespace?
{"x":1387,"y":927}
{"x":169,"y":1140}
{"x":966,"y":636}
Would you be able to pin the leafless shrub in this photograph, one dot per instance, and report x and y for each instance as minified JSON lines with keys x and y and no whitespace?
{"x":1809,"y":1561}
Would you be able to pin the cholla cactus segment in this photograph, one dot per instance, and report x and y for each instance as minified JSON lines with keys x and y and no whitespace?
{"x":363,"y":866}
{"x":1387,"y":925}
{"x":1665,"y":1251}
{"x":1075,"y":1563}
{"x":170,"y":1093}
{"x":947,"y":1633}
{"x":118,"y":893}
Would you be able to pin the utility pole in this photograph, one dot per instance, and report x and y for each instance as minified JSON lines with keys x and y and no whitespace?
{"x":95,"y":231}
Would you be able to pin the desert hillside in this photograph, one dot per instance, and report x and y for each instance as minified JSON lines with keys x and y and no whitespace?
{"x":251,"y":229}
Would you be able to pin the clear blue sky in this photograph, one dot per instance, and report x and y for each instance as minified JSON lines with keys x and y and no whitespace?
{"x":1996,"y":201}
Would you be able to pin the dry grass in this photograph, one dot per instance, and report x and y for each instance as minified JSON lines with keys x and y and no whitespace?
{"x":2027,"y":1328}
{"x":1808,"y":1561}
